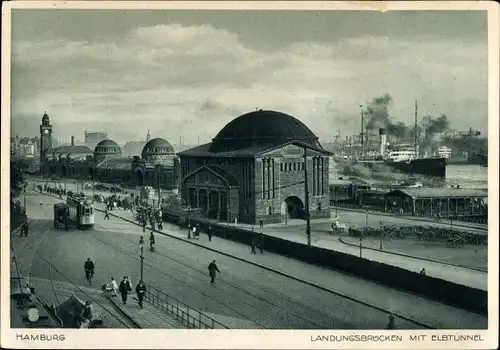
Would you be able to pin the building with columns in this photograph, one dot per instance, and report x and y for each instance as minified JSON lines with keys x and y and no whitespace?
{"x":157,"y":165}
{"x":254,"y":170}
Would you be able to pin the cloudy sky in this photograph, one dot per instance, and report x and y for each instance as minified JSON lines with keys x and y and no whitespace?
{"x":190,"y":72}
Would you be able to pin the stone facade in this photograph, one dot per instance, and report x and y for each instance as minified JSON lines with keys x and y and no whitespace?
{"x":266,"y":175}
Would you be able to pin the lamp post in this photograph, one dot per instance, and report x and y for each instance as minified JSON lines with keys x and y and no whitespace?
{"x":361,"y":245}
{"x":158,"y":169}
{"x":25,"y":185}
{"x":141,"y":244}
{"x":381,"y":235}
{"x":306,"y":195}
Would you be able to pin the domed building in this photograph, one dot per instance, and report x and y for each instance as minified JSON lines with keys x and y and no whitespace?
{"x":158,"y":151}
{"x":157,"y":166}
{"x":106,"y":149}
{"x":254,"y":170}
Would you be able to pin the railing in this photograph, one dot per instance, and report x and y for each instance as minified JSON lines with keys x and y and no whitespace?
{"x":187,"y":315}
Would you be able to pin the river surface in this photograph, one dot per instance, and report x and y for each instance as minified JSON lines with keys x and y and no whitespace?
{"x":467,"y":176}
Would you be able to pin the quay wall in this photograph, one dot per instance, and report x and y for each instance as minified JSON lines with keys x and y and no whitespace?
{"x":443,"y":291}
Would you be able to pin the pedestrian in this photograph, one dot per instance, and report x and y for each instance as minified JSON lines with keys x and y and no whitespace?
{"x":114,"y":287}
{"x":106,"y":214}
{"x":209,"y":233}
{"x":391,"y":324}
{"x":141,"y":292}
{"x":261,"y":223}
{"x":151,"y":241}
{"x":124,"y":289}
{"x":26,"y":226}
{"x":198,"y":231}
{"x":144,"y":224}
{"x":235,"y":221}
{"x":189,"y":231}
{"x":261,"y":242}
{"x":253,"y":246}
{"x":212,"y":270}
{"x":86,"y":315}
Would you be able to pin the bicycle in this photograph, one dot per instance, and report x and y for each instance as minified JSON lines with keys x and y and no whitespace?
{"x":88,"y":276}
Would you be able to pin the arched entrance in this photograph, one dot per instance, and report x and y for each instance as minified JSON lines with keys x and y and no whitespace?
{"x":213,"y":211}
{"x":203,"y":200}
{"x":292,"y":208}
{"x":139,"y":178}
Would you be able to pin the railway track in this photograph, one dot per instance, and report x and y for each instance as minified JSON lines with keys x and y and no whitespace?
{"x":270,"y":307}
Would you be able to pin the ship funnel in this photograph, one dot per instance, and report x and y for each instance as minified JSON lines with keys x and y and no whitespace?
{"x":383,"y":141}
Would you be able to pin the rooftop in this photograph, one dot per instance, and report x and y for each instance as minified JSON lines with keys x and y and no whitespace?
{"x":440,"y":193}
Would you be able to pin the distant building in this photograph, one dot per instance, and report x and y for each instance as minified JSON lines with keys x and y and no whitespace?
{"x":93,"y":138}
{"x":254,"y":170}
{"x":157,"y":164}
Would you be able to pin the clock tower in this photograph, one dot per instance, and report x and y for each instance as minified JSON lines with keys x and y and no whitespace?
{"x":45,"y":138}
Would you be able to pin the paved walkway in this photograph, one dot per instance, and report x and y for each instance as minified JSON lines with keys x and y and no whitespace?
{"x":148,"y":317}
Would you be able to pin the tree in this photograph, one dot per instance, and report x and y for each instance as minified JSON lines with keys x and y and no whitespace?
{"x":17,"y":178}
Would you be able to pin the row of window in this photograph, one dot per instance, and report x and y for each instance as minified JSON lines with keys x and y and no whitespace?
{"x":107,"y":149}
{"x":296,"y":166}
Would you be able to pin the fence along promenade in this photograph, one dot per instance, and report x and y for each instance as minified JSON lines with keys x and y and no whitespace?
{"x":192,"y":317}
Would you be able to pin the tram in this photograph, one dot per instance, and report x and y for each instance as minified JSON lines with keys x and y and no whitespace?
{"x":81,"y":212}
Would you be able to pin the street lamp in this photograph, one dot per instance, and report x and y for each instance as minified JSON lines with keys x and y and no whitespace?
{"x":361,"y":245}
{"x":306,"y":195}
{"x":25,"y":185}
{"x":381,"y":235}
{"x":141,"y":244}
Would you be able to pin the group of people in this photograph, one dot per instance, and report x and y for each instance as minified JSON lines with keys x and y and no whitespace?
{"x":148,"y":213}
{"x":125,"y":288}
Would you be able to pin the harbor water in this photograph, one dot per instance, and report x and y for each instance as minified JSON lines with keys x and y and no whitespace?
{"x":466,"y":176}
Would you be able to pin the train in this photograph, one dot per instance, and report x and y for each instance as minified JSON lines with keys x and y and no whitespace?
{"x":81,"y":212}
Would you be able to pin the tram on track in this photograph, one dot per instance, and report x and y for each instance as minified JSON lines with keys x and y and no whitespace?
{"x":81,"y":212}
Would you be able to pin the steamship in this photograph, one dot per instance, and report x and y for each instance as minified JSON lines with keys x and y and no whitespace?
{"x":403,"y":158}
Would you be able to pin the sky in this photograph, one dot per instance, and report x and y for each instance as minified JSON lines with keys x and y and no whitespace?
{"x":188,"y":73}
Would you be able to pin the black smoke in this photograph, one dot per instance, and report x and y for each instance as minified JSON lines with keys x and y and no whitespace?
{"x":377,"y":116}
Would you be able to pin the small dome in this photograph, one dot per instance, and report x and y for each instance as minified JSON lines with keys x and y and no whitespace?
{"x":262,"y":127}
{"x":107,"y":148}
{"x":157,"y":146}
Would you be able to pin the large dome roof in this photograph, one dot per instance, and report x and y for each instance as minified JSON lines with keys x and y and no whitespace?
{"x":107,"y":147}
{"x":107,"y":143}
{"x":157,"y":146}
{"x":262,"y":127}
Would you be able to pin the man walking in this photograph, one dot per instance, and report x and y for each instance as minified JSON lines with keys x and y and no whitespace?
{"x":106,"y":214}
{"x":141,"y":292}
{"x":261,"y":223}
{"x":212,"y":270}
{"x":125,"y":288}
{"x":253,"y":245}
{"x":261,"y":242}
{"x":25,"y":228}
{"x":209,"y":233}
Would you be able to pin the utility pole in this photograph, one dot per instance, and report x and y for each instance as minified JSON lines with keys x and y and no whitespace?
{"x":158,"y":169}
{"x":362,"y":130}
{"x":142,"y":262}
{"x":361,"y":244}
{"x":306,"y":200}
{"x":381,"y":235}
{"x":416,"y":137}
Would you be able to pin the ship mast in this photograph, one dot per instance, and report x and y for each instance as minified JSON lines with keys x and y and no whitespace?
{"x":416,"y":138}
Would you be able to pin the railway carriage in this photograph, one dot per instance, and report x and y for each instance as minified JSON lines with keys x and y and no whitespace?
{"x":81,"y":212}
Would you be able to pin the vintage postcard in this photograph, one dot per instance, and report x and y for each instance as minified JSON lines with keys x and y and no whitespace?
{"x":250,"y":175}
